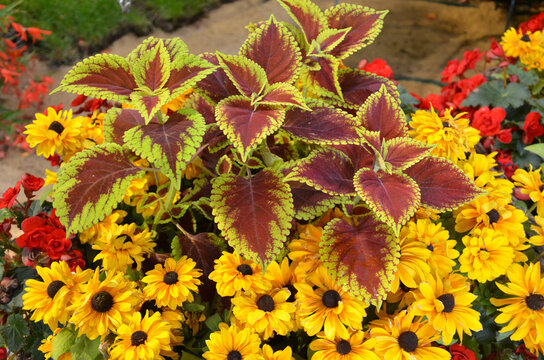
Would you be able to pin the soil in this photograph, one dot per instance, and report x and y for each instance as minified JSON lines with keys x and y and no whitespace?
{"x":417,"y":40}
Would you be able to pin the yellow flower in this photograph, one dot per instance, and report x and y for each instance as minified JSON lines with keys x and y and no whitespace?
{"x":328,"y":306}
{"x":47,"y":346}
{"x":267,"y":313}
{"x":304,"y":251}
{"x":538,"y":239}
{"x":353,"y":348}
{"x":523,"y":311}
{"x":172,"y":284}
{"x":103,"y":305}
{"x":55,"y":132}
{"x":452,"y":135}
{"x":122,"y":245}
{"x":234,"y":274}
{"x":478,"y":167}
{"x":142,"y":338}
{"x":233,"y":343}
{"x":93,"y":127}
{"x":514,"y":43}
{"x":486,"y":256}
{"x":531,"y":184}
{"x":176,"y":103}
{"x":399,"y":337}
{"x":91,"y":234}
{"x":283,"y":276}
{"x":50,"y":177}
{"x":49,"y":298}
{"x":447,"y":305}
{"x":285,"y":354}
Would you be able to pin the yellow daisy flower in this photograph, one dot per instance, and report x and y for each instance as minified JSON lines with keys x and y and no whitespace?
{"x":93,"y":127}
{"x":55,"y":132}
{"x":328,"y":306}
{"x":532,"y":185}
{"x":285,"y":354}
{"x":172,"y":284}
{"x":234,"y":274}
{"x":176,"y":103}
{"x":304,"y":251}
{"x":267,"y":314}
{"x":47,"y":347}
{"x":91,"y":234}
{"x":514,"y":43}
{"x":233,"y":343}
{"x":478,"y":167}
{"x":283,"y":276}
{"x":142,"y":338}
{"x":523,"y":311}
{"x":399,"y":337}
{"x":122,"y":245}
{"x":538,"y":239}
{"x":49,"y":298}
{"x":103,"y":305}
{"x":353,"y":348}
{"x":50,"y":177}
{"x":447,"y":305}
{"x":452,"y":135}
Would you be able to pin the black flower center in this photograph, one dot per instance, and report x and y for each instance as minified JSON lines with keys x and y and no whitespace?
{"x":493,"y":215}
{"x":525,"y":38}
{"x":535,"y":302}
{"x":54,"y":287}
{"x":408,"y":341}
{"x":127,"y":238}
{"x":265,"y":303}
{"x":292,"y":290}
{"x":445,"y":124}
{"x":149,"y":306}
{"x":245,"y":269}
{"x":138,"y":337}
{"x":331,"y":298}
{"x":152,"y":188}
{"x":170,"y":278}
{"x":343,"y":347}
{"x":102,"y":301}
{"x":448,"y":301}
{"x":234,"y":355}
{"x":404,"y":287}
{"x":430,"y":247}
{"x":56,"y":127}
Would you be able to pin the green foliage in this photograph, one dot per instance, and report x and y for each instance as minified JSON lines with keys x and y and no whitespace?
{"x":62,"y":342}
{"x":85,"y":349}
{"x":495,"y":93}
{"x":14,"y":331}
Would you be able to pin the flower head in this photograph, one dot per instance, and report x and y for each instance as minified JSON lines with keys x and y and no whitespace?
{"x":353,"y":348}
{"x":233,"y":343}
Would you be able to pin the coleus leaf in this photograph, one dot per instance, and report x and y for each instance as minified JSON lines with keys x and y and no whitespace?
{"x":148,"y":104}
{"x":248,"y":77}
{"x":169,"y":146}
{"x":363,"y":257}
{"x":203,"y":105}
{"x":118,"y":121}
{"x":91,"y":184}
{"x":402,"y":152}
{"x":274,"y":48}
{"x":327,"y":170}
{"x":307,"y":15}
{"x":246,"y":125}
{"x":442,"y":184}
{"x":203,"y":248}
{"x":360,"y":155}
{"x":103,"y":76}
{"x":324,"y":78}
{"x":175,"y":47}
{"x":327,"y":40}
{"x":365,"y":24}
{"x":152,"y":68}
{"x":217,"y":85}
{"x":185,"y":72}
{"x":283,"y":94}
{"x":393,"y":197}
{"x":254,"y":214}
{"x":322,"y":125}
{"x":358,"y":85}
{"x":382,"y":112}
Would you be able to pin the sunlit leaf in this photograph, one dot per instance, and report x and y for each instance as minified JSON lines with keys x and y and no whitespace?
{"x":307,"y":15}
{"x":358,"y":85}
{"x":248,"y":77}
{"x":402,"y":152}
{"x":283,"y":94}
{"x":217,"y":84}
{"x":117,"y":121}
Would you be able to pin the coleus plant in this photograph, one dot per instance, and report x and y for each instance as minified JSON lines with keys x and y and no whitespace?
{"x":283,"y":133}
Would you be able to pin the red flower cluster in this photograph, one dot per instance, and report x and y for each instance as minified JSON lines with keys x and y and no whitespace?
{"x":30,"y":184}
{"x":488,"y":121}
{"x":377,"y":66}
{"x":458,"y":68}
{"x":535,"y":23}
{"x":532,"y":127}
{"x":45,"y":233}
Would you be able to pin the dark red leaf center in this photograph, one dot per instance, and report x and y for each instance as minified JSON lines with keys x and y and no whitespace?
{"x":448,"y":300}
{"x":331,"y":298}
{"x":102,"y":301}
{"x":343,"y":347}
{"x":170,"y":278}
{"x":54,"y":287}
{"x":265,"y":303}
{"x":56,"y":127}
{"x":408,"y":341}
{"x":535,"y":302}
{"x":138,"y":338}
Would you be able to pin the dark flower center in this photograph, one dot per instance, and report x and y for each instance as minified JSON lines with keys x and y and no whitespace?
{"x":404,"y":287}
{"x":535,"y":302}
{"x":430,"y":247}
{"x":541,"y":187}
{"x":149,"y":306}
{"x":408,"y":341}
{"x":343,"y":347}
{"x":127,"y":238}
{"x":445,"y":124}
{"x":331,"y":298}
{"x":265,"y":303}
{"x":152,"y":188}
{"x":448,"y":301}
{"x":493,"y":215}
{"x":234,"y":355}
{"x":138,"y":338}
{"x":56,"y":127}
{"x":102,"y":301}
{"x":525,"y":38}
{"x":54,"y":287}
{"x":170,"y":278}
{"x":245,"y":269}
{"x":292,"y":290}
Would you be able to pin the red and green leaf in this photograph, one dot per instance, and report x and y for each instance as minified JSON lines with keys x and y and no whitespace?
{"x":310,"y":203}
{"x":393,"y":197}
{"x":118,"y":121}
{"x":361,"y":156}
{"x":248,"y":77}
{"x":358,"y":85}
{"x":274,"y":48}
{"x":283,"y":94}
{"x":247,"y":126}
{"x":442,"y":184}
{"x":365,"y":24}
{"x":322,"y":125}
{"x":307,"y":15}
{"x":203,"y":248}
{"x":217,"y":84}
{"x":325,"y":79}
{"x":91,"y":185}
{"x":254,"y":214}
{"x":382,"y":112}
{"x":169,"y":146}
{"x":103,"y":76}
{"x":402,"y":152}
{"x":327,"y":40}
{"x":364,"y":257}
{"x":152,"y":68}
{"x":148,"y":104}
{"x":327,"y":170}
{"x":175,"y":47}
{"x":186,"y":72}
